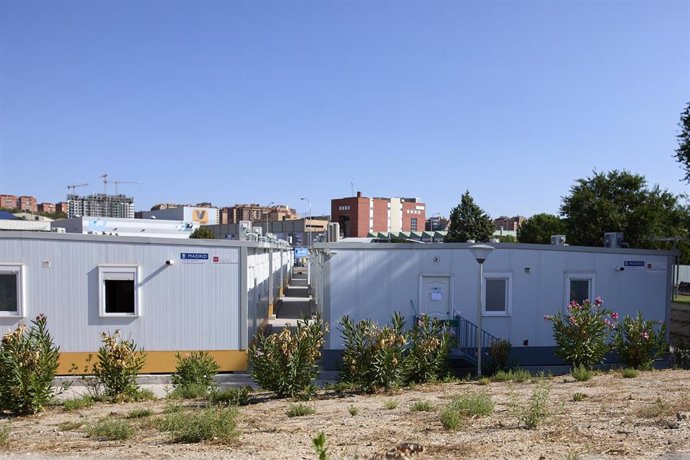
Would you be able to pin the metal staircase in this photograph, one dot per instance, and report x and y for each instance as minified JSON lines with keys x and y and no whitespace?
{"x":466,"y":336}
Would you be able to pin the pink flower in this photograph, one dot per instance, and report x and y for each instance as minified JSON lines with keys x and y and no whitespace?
{"x":572,"y":320}
{"x":645,"y":335}
{"x":614,"y":315}
{"x":598,"y":301}
{"x":547,"y":317}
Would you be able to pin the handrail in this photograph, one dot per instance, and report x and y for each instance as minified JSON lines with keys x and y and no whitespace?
{"x":466,"y":336}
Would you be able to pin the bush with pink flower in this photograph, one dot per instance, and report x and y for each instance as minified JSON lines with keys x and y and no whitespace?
{"x":639,"y":342}
{"x":583,"y":333}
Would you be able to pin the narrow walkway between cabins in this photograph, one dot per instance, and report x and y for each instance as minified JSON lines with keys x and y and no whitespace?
{"x":296,"y":301}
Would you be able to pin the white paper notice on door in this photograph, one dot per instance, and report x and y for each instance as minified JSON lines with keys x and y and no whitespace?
{"x":436,"y":296}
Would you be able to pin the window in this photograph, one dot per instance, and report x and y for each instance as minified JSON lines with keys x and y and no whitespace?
{"x":118,"y":290}
{"x":11,"y":290}
{"x":497,"y":294}
{"x":579,"y":287}
{"x":413,"y":224}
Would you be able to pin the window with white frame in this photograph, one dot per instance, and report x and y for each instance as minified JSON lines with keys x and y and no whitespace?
{"x":118,"y":290}
{"x":413,"y":224}
{"x":579,"y":286}
{"x":11,"y":290}
{"x":497,"y":293}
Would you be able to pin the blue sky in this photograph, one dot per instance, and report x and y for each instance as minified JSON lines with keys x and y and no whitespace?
{"x":259,"y":101}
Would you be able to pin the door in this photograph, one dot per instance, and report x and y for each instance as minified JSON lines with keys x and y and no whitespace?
{"x":435,"y":296}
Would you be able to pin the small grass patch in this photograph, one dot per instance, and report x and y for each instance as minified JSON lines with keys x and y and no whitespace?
{"x":390,"y":404}
{"x":484,"y":381}
{"x":78,"y":403}
{"x":4,"y":436}
{"x":140,"y":413}
{"x":461,"y":407}
{"x":217,"y":424}
{"x":235,"y":396}
{"x":517,"y":375}
{"x":541,"y":376}
{"x":577,"y":397}
{"x":69,"y":426}
{"x":536,"y":411}
{"x":581,"y":373}
{"x":108,"y":429}
{"x":630,"y":373}
{"x":657,"y":409}
{"x":173,"y":408}
{"x":299,"y":410}
{"x":422,"y":406}
{"x":353,"y":410}
{"x":189,"y":391}
{"x":145,"y":395}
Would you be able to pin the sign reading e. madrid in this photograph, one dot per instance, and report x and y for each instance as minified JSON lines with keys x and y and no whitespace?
{"x":194,"y":256}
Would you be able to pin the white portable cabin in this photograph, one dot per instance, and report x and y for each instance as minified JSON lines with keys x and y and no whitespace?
{"x":167,"y":295}
{"x":521,"y":284}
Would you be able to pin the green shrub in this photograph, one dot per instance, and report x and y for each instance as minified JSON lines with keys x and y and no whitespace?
{"x":78,"y":403}
{"x":117,"y":366}
{"x":577,"y":397}
{"x":630,"y":373}
{"x":499,"y":355}
{"x":28,"y":361}
{"x":464,"y":406}
{"x":234,"y":396}
{"x":108,"y":429}
{"x":390,"y":404}
{"x":299,"y":410}
{"x":197,"y":368}
{"x":536,"y":411}
{"x":680,"y":354}
{"x":582,"y":336}
{"x":422,"y":406}
{"x":657,"y":409}
{"x":140,"y":413}
{"x":285,"y":362}
{"x":639,"y":342}
{"x":373,"y":356}
{"x":353,"y":410}
{"x":427,"y":355}
{"x":484,"y":381}
{"x":145,"y":394}
{"x":69,"y":426}
{"x":217,"y":424}
{"x":581,"y":373}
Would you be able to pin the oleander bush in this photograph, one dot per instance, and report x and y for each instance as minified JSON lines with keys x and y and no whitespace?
{"x":639,"y":342}
{"x":285,"y":362}
{"x":374,"y":355}
{"x":196,"y":369}
{"x":430,"y":341}
{"x":28,"y":362}
{"x":499,"y":356}
{"x":117,"y":366}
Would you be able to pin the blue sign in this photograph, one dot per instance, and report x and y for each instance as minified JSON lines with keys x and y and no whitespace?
{"x":301,"y":252}
{"x":194,"y":256}
{"x":633,"y":263}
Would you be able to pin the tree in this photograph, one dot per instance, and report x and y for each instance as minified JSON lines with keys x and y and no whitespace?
{"x":203,"y":233}
{"x":620,"y":201}
{"x":539,"y":228}
{"x":683,"y":151}
{"x":469,"y":222}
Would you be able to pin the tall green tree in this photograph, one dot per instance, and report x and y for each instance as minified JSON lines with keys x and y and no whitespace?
{"x":620,"y":201}
{"x":539,"y":228}
{"x":469,"y":222}
{"x":683,"y":150}
{"x":203,"y":233}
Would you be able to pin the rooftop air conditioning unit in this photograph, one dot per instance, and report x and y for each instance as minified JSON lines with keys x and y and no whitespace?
{"x":614,"y":240}
{"x":333,"y":232}
{"x":558,"y":240}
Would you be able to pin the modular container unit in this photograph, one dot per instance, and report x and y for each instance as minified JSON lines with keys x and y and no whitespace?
{"x":521,"y":284}
{"x":169,"y":296}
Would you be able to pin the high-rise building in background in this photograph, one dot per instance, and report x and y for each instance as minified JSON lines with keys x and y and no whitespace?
{"x":256,"y":212}
{"x":100,"y":205}
{"x":359,"y":215}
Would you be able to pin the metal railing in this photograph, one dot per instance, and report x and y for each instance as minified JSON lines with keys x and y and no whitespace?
{"x":466,"y":336}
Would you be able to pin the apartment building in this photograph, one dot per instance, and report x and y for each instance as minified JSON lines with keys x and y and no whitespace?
{"x":100,"y":205}
{"x":359,"y":215}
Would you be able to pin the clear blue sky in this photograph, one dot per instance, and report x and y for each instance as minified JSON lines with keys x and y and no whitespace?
{"x":259,"y":101}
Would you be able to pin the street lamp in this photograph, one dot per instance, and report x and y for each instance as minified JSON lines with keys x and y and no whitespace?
{"x":480,"y":253}
{"x":268,"y":206}
{"x":305,"y":227}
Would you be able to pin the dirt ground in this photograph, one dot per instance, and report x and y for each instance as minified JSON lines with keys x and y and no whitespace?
{"x":642,"y":417}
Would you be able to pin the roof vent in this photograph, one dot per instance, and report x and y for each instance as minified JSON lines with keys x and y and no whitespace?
{"x":558,"y":240}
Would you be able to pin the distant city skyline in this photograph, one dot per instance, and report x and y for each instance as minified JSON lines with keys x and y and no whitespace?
{"x":259,"y":102}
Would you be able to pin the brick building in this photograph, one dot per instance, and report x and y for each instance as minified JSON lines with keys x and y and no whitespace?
{"x":359,"y":215}
{"x":47,"y":207}
{"x":508,"y":223}
{"x":62,"y":207}
{"x":27,"y":203}
{"x":255,"y":212}
{"x":8,"y":201}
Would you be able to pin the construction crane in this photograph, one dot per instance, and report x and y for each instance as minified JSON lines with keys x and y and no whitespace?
{"x":74,"y":186}
{"x":117,"y":182}
{"x":105,"y":182}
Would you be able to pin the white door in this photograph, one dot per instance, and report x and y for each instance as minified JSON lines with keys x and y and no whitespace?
{"x":435,"y":293}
